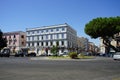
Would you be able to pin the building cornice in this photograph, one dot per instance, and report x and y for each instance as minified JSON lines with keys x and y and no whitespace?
{"x":46,"y":27}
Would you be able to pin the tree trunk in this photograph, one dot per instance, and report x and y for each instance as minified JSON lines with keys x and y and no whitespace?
{"x":107,"y":43}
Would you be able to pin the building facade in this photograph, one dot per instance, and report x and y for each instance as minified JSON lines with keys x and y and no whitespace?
{"x":82,"y":44}
{"x":115,"y":42}
{"x":93,"y":48}
{"x":42,"y":39}
{"x":15,"y":40}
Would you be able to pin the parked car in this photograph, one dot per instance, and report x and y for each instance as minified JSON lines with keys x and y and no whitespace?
{"x":5,"y":52}
{"x":19,"y":54}
{"x":103,"y":54}
{"x":116,"y":56}
{"x":64,"y":54}
{"x":33,"y":54}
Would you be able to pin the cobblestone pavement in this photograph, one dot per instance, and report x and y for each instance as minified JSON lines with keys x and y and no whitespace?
{"x":41,"y":68}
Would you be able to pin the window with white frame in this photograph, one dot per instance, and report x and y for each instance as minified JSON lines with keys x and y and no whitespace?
{"x":57,"y":29}
{"x":50,"y":43}
{"x":62,"y":43}
{"x":46,"y":43}
{"x":28,"y":32}
{"x":63,"y":28}
{"x":42,"y":37}
{"x":28,"y":44}
{"x":32,"y":32}
{"x":41,"y":31}
{"x":46,"y":30}
{"x":33,"y":44}
{"x":32,"y":38}
{"x":57,"y":36}
{"x":38,"y":31}
{"x":46,"y":37}
{"x":37,"y":37}
{"x":51,"y":30}
{"x":28,"y":38}
{"x":37,"y":43}
{"x":63,"y":36}
{"x":41,"y":43}
{"x":51,"y":36}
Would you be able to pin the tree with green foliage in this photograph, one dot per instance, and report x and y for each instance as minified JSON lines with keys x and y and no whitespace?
{"x":3,"y":41}
{"x":105,"y":28}
{"x":54,"y":50}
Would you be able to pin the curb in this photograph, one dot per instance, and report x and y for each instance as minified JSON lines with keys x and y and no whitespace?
{"x":47,"y":58}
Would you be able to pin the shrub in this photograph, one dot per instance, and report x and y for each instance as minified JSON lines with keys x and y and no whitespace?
{"x":82,"y":55}
{"x":73,"y":55}
{"x":54,"y":50}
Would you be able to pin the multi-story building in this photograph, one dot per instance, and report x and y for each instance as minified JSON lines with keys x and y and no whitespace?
{"x":102,"y":47}
{"x":15,"y":40}
{"x":41,"y":39}
{"x":115,"y":42}
{"x":93,"y":48}
{"x":82,"y":44}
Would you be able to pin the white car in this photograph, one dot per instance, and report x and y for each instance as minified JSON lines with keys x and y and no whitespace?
{"x":116,"y":56}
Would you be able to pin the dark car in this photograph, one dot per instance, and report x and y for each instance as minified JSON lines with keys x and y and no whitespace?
{"x":5,"y":52}
{"x":19,"y":54}
{"x":32,"y":54}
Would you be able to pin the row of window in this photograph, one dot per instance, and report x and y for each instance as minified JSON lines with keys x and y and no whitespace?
{"x":46,"y":30}
{"x":14,"y":43}
{"x":14,"y":36}
{"x":71,"y":37}
{"x":47,"y":37}
{"x":51,"y":43}
{"x":45,"y":44}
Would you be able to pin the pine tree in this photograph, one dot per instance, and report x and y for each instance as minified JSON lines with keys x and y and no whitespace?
{"x":3,"y":41}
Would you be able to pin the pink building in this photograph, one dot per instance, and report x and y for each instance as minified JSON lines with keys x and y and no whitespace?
{"x":15,"y":40}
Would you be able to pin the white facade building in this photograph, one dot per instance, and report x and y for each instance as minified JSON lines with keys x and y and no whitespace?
{"x":41,"y":39}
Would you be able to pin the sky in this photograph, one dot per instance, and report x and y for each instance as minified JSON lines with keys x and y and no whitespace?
{"x":17,"y":15}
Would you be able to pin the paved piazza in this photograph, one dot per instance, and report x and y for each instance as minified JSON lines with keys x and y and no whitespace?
{"x":28,"y":68}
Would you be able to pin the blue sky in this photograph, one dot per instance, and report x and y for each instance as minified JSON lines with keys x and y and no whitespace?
{"x":17,"y":15}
